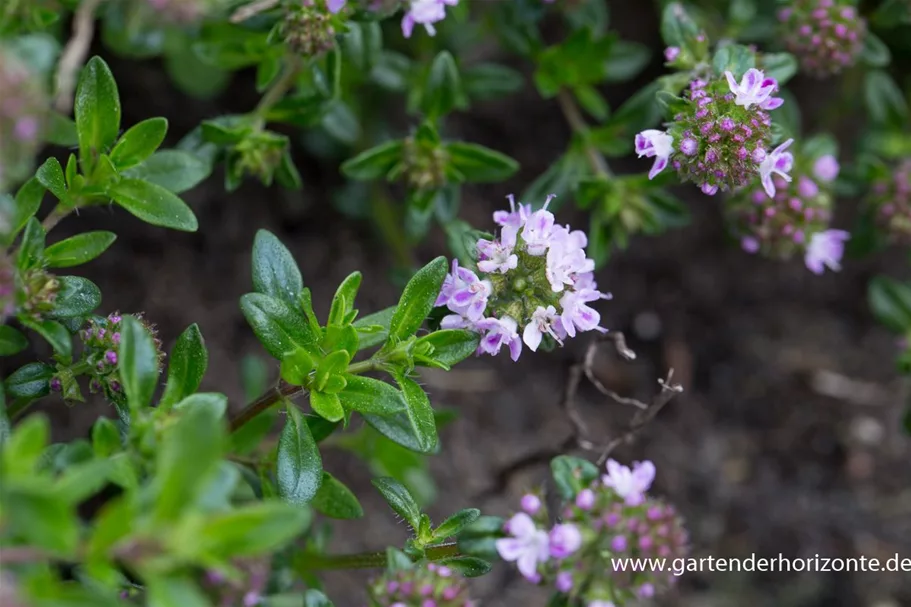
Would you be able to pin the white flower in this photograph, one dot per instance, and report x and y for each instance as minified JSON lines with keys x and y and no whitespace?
{"x":564,"y":262}
{"x":500,"y":332}
{"x":658,"y":144}
{"x":543,"y":320}
{"x":825,"y":251}
{"x":537,"y":232}
{"x":631,"y":485}
{"x":778,"y":162}
{"x":754,"y":89}
{"x":528,"y":545}
{"x":576,"y":314}
{"x":497,"y":255}
{"x":425,"y":12}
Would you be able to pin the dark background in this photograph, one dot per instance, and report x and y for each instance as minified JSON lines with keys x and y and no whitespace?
{"x":787,"y":437}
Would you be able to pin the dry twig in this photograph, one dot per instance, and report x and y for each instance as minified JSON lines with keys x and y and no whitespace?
{"x":74,"y":54}
{"x":252,"y":9}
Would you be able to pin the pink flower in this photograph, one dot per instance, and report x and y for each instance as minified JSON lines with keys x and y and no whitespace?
{"x":531,"y":503}
{"x":500,"y":332}
{"x":777,"y":162}
{"x":538,"y":230}
{"x":826,"y":168}
{"x":425,"y":12}
{"x":497,"y":255}
{"x":543,"y":320}
{"x":467,"y":294}
{"x":658,"y":144}
{"x":754,"y":89}
{"x":825,"y":251}
{"x":671,"y":53}
{"x":631,"y":485}
{"x":564,"y":262}
{"x":564,"y":540}
{"x":576,"y":314}
{"x":528,"y":545}
{"x":335,"y":6}
{"x":515,"y":217}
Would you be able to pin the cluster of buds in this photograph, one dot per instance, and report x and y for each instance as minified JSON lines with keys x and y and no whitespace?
{"x":826,"y":35}
{"x":417,"y":12}
{"x":429,"y":586}
{"x":611,"y":518}
{"x":795,"y":219}
{"x":37,"y":293}
{"x":259,"y":155}
{"x":245,"y":588}
{"x":23,"y":106}
{"x":307,"y":27}
{"x":720,"y":134}
{"x":423,"y":164}
{"x":535,"y":278}
{"x":890,"y":201}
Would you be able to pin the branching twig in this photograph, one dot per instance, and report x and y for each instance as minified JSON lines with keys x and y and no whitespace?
{"x":74,"y":54}
{"x":578,"y":438}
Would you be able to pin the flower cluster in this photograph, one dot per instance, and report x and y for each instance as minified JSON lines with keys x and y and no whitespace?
{"x":423,"y":164}
{"x":826,"y":35}
{"x":308,"y":29}
{"x":890,"y":201}
{"x":610,"y":518}
{"x":795,"y":219}
{"x":720,"y":135}
{"x":37,"y":293}
{"x":22,"y":109}
{"x":430,"y":586}
{"x":535,"y":278}
{"x":417,"y":12}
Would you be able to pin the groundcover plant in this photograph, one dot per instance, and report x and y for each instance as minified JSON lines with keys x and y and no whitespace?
{"x":178,"y":497}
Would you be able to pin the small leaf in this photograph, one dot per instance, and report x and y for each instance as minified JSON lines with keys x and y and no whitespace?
{"x":255,"y":529}
{"x":375,"y":163}
{"x":97,"y":110}
{"x":417,"y":300}
{"x":298,"y":466}
{"x":188,"y":362}
{"x":106,"y":439}
{"x":78,"y":249}
{"x":217,"y":403}
{"x":29,"y":382}
{"x":138,"y":363}
{"x":153,"y":204}
{"x":174,"y":592}
{"x":335,"y":500}
{"x":373,"y":329}
{"x":174,"y":170}
{"x":76,"y":296}
{"x":399,"y":499}
{"x":735,"y":58}
{"x":31,"y":249}
{"x":296,"y":367}
{"x":467,"y":566}
{"x":54,"y":333}
{"x":50,"y":175}
{"x":491,"y":80}
{"x":455,"y":523}
{"x":139,"y":142}
{"x":367,"y":395}
{"x":450,"y":346}
{"x":890,"y":302}
{"x":419,"y":412}
{"x":343,"y":302}
{"x":275,"y":273}
{"x":571,"y":474}
{"x":443,"y":89}
{"x":875,"y":53}
{"x":277,"y":326}
{"x":780,"y":66}
{"x":12,"y":341}
{"x":479,"y":164}
{"x":327,"y":406}
{"x":27,"y":203}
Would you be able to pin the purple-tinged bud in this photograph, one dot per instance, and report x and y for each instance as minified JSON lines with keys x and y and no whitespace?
{"x":646,"y":591}
{"x":618,"y":544}
{"x":565,"y":539}
{"x":564,"y":581}
{"x":531,"y":503}
{"x":709,"y":189}
{"x":585,"y":499}
{"x":806,"y":187}
{"x":115,"y":386}
{"x":671,"y":53}
{"x":110,"y":357}
{"x":56,"y":385}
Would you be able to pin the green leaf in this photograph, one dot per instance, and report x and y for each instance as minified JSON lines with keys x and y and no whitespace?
{"x":399,"y":499}
{"x":50,"y":175}
{"x":467,"y":566}
{"x":296,"y":367}
{"x":54,"y":333}
{"x":11,"y":341}
{"x":278,"y":327}
{"x":106,"y":439}
{"x":884,"y":99}
{"x":373,"y":329}
{"x":217,"y":403}
{"x":174,"y":170}
{"x":491,"y":80}
{"x":419,"y":412}
{"x":76,"y":296}
{"x":735,"y":58}
{"x":372,"y":396}
{"x":298,"y":466}
{"x":27,"y":203}
{"x":678,"y":28}
{"x":780,"y":66}
{"x":335,"y":500}
{"x":188,"y":362}
{"x":449,"y":346}
{"x":875,"y":53}
{"x":29,"y":382}
{"x":275,"y":273}
{"x":315,"y":598}
{"x":327,"y":406}
{"x":479,"y":164}
{"x":174,"y":592}
{"x":138,"y":363}
{"x":571,"y":474}
{"x":443,"y":88}
{"x":61,"y":131}
{"x":31,"y":249}
{"x":188,"y":456}
{"x":626,"y":60}
{"x":139,"y":142}
{"x":153,"y":204}
{"x":41,"y":518}
{"x":455,"y":523}
{"x":97,"y":110}
{"x":375,"y":163}
{"x":255,"y":529}
{"x":343,"y":302}
{"x":890,"y":302}
{"x":78,"y":249}
{"x":417,"y":300}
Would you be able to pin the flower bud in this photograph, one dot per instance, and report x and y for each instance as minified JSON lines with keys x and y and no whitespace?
{"x":826,"y":35}
{"x":890,"y":202}
{"x":38,"y":294}
{"x":424,"y":164}
{"x":307,"y":29}
{"x":420,"y":586}
{"x":23,"y":107}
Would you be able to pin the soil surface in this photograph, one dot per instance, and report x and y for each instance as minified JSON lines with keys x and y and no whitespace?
{"x":787,"y":437}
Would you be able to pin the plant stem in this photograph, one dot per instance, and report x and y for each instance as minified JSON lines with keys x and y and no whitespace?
{"x":577,"y":122}
{"x":366,"y":560}
{"x":74,"y":54}
{"x":54,"y":217}
{"x":390,"y":227}
{"x":278,"y":89}
{"x":365,"y":366}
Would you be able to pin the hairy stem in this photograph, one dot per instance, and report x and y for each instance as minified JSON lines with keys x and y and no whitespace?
{"x":577,"y":122}
{"x":54,"y":217}
{"x":366,"y":560}
{"x":74,"y":54}
{"x":390,"y":227}
{"x":279,"y":89}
